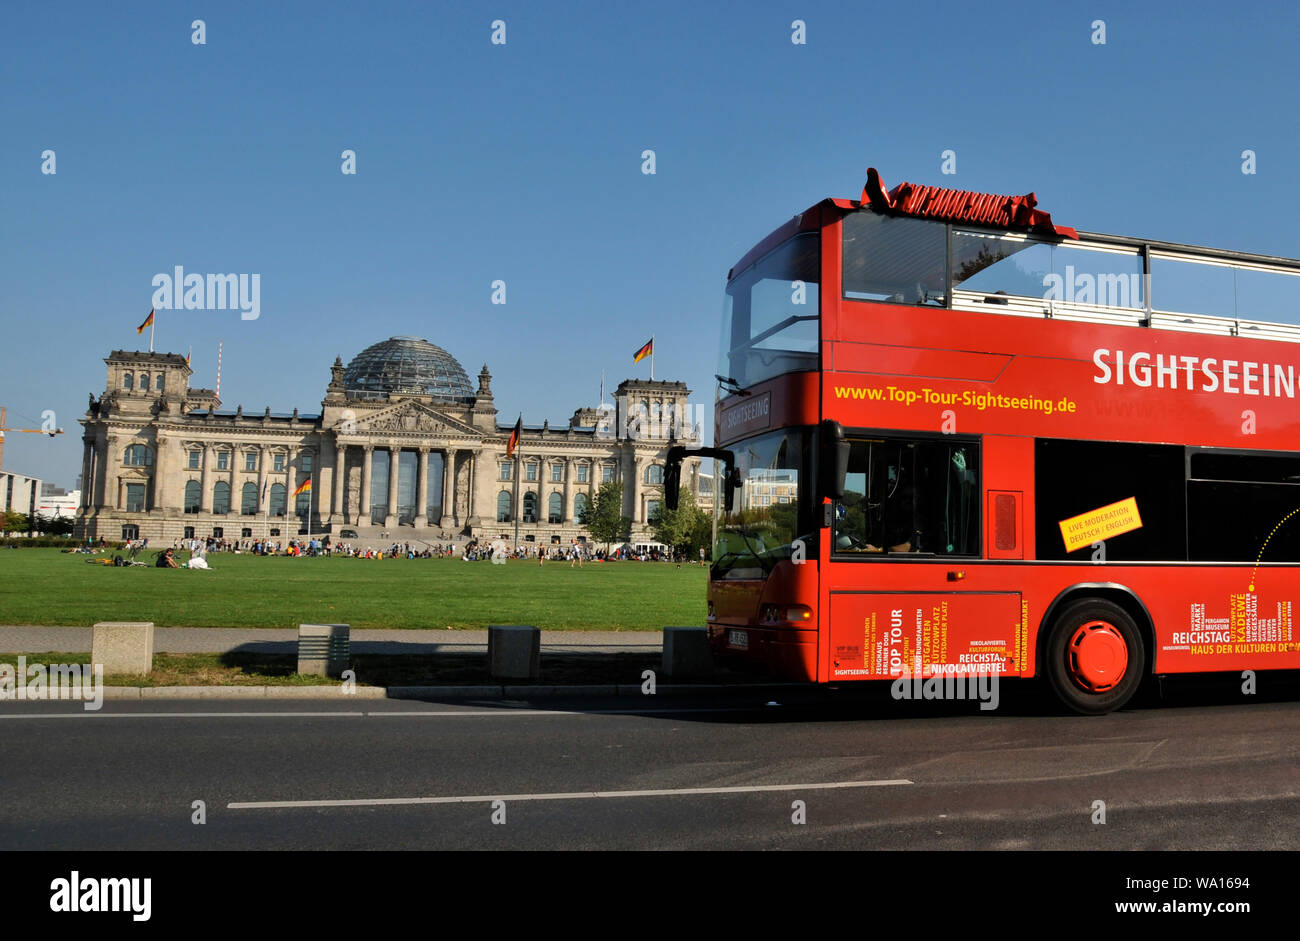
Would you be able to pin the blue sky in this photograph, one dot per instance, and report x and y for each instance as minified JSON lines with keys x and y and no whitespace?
{"x":522,"y":162}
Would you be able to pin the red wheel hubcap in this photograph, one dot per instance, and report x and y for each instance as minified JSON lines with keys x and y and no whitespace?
{"x":1098,"y":656}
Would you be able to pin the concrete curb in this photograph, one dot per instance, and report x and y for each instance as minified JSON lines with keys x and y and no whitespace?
{"x":151,"y":693}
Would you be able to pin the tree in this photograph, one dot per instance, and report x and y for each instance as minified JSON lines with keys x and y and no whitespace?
{"x":687,"y":529}
{"x":604,"y":517}
{"x":58,"y":525}
{"x":13,"y":521}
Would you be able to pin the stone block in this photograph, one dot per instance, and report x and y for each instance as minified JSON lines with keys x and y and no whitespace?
{"x":324,"y":649}
{"x":514,"y":652}
{"x":686,"y":653}
{"x":123,"y":646}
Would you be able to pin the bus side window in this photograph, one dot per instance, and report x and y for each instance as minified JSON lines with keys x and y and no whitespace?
{"x":910,"y":497}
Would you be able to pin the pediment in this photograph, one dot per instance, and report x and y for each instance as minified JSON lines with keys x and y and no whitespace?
{"x":413,"y":418}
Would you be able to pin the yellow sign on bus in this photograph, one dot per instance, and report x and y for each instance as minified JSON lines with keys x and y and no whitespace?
{"x":1112,"y":520}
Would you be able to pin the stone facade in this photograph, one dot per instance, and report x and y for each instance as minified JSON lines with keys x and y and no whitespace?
{"x":160,"y":460}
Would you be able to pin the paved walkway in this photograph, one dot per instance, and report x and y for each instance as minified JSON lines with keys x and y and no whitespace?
{"x":285,"y":640}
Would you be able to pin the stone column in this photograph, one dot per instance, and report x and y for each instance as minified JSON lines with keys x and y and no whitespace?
{"x":263,"y":502}
{"x":367,"y":472}
{"x":448,"y":517}
{"x":290,"y":485}
{"x":340,"y":478}
{"x":159,"y":496}
{"x":566,"y":514}
{"x":99,"y":471}
{"x":422,"y":490}
{"x":95,"y":486}
{"x":86,"y":448}
{"x":205,"y":496}
{"x":468,"y":511}
{"x":637,"y":472}
{"x":112,"y":473}
{"x":394,"y":470}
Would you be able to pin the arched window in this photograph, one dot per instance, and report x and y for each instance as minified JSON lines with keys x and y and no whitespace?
{"x":279,"y":497}
{"x":193,"y":496}
{"x":530,"y":507}
{"x":302,"y":504}
{"x":128,"y":381}
{"x":221,"y":497}
{"x":248,"y":499}
{"x":158,"y":382}
{"x":654,"y":474}
{"x":581,"y":505}
{"x":555,"y":509}
{"x":503,"y":507}
{"x":137,"y":455}
{"x":144,"y":382}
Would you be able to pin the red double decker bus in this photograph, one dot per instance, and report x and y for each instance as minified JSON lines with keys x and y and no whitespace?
{"x":955,"y":437}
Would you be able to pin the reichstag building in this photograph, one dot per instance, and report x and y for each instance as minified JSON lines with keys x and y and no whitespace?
{"x":404,"y":448}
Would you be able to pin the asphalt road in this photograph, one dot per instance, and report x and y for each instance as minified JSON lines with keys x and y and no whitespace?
{"x":1193,"y":772}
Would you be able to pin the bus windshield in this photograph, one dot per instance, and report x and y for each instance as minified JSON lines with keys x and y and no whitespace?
{"x":771,"y":510}
{"x":769,"y":321}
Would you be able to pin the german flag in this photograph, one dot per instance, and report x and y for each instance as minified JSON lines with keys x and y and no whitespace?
{"x":148,"y":322}
{"x":304,"y":487}
{"x":514,"y":437}
{"x":644,"y":351}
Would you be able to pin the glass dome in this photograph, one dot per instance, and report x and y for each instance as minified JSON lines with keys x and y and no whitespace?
{"x":407,"y":365}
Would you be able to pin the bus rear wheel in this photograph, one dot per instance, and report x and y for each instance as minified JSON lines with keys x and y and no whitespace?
{"x":1095,"y":656}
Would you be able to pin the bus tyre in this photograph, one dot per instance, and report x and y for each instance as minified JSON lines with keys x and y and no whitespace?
{"x":1095,"y":656}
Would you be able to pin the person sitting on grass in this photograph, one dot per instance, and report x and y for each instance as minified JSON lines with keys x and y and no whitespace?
{"x":166,"y":560}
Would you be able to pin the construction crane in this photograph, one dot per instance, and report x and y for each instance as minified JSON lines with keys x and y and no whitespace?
{"x":30,"y":431}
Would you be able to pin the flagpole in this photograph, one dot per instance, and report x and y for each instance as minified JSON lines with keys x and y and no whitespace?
{"x":310,"y":491}
{"x":652,"y":357}
{"x":516,"y":498}
{"x":153,"y":320}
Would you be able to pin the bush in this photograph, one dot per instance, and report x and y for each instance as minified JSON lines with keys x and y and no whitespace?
{"x":46,"y":542}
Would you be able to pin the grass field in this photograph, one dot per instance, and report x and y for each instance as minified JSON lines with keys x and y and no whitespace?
{"x":45,"y":586}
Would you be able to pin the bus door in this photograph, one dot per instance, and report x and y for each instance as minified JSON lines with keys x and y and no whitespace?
{"x":900,"y":593}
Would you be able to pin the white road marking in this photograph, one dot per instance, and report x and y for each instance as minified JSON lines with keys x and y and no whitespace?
{"x":556,"y":796}
{"x":433,"y":713}
{"x":423,"y":714}
{"x":90,"y":714}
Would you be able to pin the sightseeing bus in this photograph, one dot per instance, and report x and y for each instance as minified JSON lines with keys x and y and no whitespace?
{"x":954,"y":437}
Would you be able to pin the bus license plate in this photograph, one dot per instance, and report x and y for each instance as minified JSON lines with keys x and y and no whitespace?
{"x":738,"y":639}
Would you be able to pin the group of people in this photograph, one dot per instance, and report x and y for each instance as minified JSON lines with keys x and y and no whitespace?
{"x":576,"y":553}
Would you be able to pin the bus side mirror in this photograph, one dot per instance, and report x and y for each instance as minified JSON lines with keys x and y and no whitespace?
{"x":673,"y":472}
{"x":832,"y":459}
{"x":732,"y":484}
{"x":673,"y":476}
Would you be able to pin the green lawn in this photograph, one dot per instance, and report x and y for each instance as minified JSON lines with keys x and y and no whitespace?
{"x":46,"y":586}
